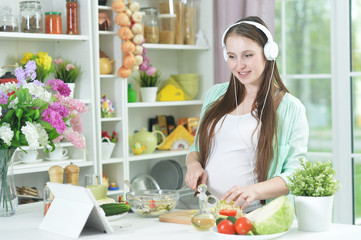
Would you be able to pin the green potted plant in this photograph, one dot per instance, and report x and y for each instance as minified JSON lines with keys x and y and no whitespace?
{"x":68,"y":72}
{"x":313,"y":186}
{"x":148,"y":79}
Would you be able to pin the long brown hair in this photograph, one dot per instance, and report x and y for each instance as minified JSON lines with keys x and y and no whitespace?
{"x":226,"y":104}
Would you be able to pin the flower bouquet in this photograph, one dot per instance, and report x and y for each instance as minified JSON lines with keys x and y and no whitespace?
{"x":44,"y":64}
{"x":35,"y":115}
{"x":67,"y":71}
{"x":113,"y":138}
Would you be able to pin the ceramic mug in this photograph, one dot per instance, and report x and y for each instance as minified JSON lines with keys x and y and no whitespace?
{"x":58,"y":153}
{"x":30,"y":156}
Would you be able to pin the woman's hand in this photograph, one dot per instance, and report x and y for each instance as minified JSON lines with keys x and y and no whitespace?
{"x":239,"y":193}
{"x":195,"y":174}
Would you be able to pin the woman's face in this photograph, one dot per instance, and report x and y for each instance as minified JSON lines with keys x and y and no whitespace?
{"x":245,"y":60}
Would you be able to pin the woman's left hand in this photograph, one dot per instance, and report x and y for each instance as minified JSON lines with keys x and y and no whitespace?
{"x":238,"y":194}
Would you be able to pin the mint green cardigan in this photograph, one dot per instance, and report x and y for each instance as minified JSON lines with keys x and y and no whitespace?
{"x":292,"y":130}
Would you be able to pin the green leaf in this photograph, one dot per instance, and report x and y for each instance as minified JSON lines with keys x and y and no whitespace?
{"x":39,"y":102}
{"x":53,"y":134}
{"x":9,"y":115}
{"x":45,"y":125}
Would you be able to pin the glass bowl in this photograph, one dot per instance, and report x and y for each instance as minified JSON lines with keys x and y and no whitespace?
{"x":152,"y":203}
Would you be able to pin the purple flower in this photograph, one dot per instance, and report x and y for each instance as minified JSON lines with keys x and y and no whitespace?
{"x":144,"y":51}
{"x":57,"y":107}
{"x":150,"y":71}
{"x":38,"y":83}
{"x":143,"y":67}
{"x":3,"y":98}
{"x":30,"y":68}
{"x":146,"y":60}
{"x":20,"y":74}
{"x":55,"y":120}
{"x":59,"y":86}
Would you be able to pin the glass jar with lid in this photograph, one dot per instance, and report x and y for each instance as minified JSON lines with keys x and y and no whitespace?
{"x":151,"y":27}
{"x":53,"y":23}
{"x":31,"y":19}
{"x":8,"y":22}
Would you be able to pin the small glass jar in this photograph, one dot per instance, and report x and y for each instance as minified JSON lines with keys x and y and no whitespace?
{"x":151,"y":28}
{"x":53,"y":23}
{"x":72,"y":17}
{"x":31,"y":18}
{"x":8,"y":22}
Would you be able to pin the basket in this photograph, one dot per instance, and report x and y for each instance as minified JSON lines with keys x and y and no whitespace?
{"x":107,"y":148}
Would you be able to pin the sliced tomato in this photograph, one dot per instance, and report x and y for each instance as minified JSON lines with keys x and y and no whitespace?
{"x":226,"y":227}
{"x":242,"y":225}
{"x":152,"y":204}
{"x":228,"y":212}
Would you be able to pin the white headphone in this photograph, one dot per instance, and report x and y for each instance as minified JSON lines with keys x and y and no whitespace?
{"x":270,"y":49}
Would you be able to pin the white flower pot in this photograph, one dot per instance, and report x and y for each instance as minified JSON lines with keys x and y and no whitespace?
{"x":314,"y":214}
{"x":149,"y":94}
{"x":72,"y":88}
{"x":107,"y":149}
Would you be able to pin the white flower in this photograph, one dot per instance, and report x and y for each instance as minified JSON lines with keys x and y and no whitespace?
{"x":31,"y":134}
{"x":6,"y":134}
{"x":7,"y":87}
{"x":1,"y":111}
{"x":38,"y":91}
{"x":13,"y":103}
{"x":43,"y":136}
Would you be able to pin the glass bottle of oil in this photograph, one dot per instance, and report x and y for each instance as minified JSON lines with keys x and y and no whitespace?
{"x":204,"y":219}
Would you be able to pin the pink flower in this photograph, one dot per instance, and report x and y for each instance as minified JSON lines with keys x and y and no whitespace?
{"x":144,"y":51}
{"x":60,"y":109}
{"x":150,"y":71}
{"x":146,"y":60}
{"x":75,"y":121}
{"x":75,"y":138}
{"x":69,"y":67}
{"x":59,"y":86}
{"x":143,"y":66}
{"x":55,"y":120}
{"x":58,"y":61}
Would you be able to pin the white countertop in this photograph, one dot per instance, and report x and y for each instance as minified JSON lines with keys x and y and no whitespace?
{"x":24,"y":225}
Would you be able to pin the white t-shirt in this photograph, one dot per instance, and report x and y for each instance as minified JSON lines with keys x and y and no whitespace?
{"x":233,"y":157}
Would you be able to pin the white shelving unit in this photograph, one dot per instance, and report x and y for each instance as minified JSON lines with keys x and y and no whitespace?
{"x":78,"y":48}
{"x":84,"y":49}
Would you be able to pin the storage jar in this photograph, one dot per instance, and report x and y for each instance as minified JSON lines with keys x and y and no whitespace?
{"x":8,"y":22}
{"x":53,"y":23}
{"x":191,"y":13}
{"x":166,"y":7}
{"x":31,"y":19}
{"x":167,"y":28}
{"x":151,"y":28}
{"x":72,"y":17}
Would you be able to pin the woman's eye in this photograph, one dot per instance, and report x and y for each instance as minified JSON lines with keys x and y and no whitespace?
{"x":248,"y":55}
{"x":230,"y":56}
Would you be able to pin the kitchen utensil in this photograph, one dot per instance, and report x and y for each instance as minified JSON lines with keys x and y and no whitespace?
{"x":144,"y":182}
{"x":152,"y":203}
{"x":181,"y":189}
{"x":204,"y":218}
{"x":129,"y":185}
{"x":147,"y":139}
{"x":180,"y":217}
{"x":106,"y":65}
{"x":168,"y":174}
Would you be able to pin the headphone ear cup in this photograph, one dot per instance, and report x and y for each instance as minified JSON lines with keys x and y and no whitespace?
{"x":270,"y":50}
{"x":225,"y":54}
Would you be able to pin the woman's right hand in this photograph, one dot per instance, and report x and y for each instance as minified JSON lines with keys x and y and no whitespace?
{"x":195,"y":175}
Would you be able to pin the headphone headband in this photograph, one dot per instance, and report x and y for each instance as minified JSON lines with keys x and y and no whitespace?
{"x":270,"y":49}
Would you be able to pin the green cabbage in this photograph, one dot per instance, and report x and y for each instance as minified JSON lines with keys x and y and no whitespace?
{"x":275,"y":217}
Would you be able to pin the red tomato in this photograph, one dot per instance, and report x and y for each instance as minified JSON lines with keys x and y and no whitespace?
{"x":226,"y":227}
{"x":151,"y":204}
{"x":242,"y":225}
{"x":228,"y":212}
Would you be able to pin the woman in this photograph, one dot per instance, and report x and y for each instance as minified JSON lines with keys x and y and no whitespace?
{"x":252,"y":131}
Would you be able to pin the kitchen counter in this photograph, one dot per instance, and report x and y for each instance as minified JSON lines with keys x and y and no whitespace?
{"x":24,"y":225}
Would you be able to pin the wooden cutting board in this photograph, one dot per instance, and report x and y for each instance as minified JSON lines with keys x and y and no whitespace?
{"x":180,"y":217}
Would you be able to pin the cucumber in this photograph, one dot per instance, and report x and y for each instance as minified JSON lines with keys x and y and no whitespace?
{"x":111,"y":209}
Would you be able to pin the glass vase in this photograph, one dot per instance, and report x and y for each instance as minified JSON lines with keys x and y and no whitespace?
{"x":8,"y":195}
